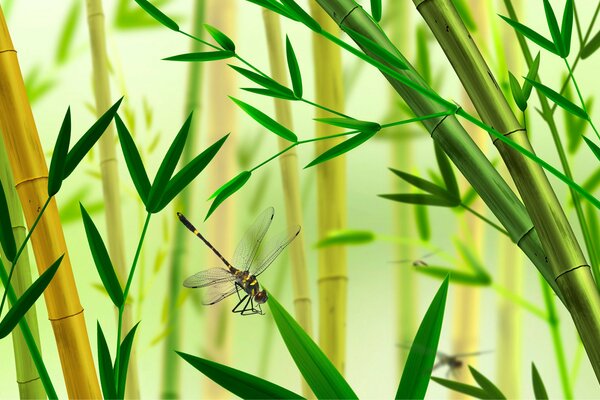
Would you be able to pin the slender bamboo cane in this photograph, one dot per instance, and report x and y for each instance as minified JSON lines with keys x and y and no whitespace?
{"x":290,"y":182}
{"x":28,"y":379}
{"x":571,"y":270}
{"x":110,"y":173}
{"x":31,"y":179}
{"x":170,"y":377}
{"x":331,"y":199}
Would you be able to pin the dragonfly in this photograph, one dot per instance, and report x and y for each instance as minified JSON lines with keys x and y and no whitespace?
{"x":240,"y":275}
{"x":454,"y":362}
{"x":418,"y":262}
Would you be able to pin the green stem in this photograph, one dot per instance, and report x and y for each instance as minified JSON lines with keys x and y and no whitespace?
{"x":324,"y":108}
{"x":532,"y":308}
{"x":581,"y":97}
{"x":486,"y":220}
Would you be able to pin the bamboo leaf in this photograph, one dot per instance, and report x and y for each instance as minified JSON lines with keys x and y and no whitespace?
{"x":202,"y":56}
{"x":271,"y":93}
{"x":553,"y":27}
{"x":538,"y":385}
{"x":422,"y":58}
{"x":125,"y":354}
{"x":447,"y":173}
{"x":27,"y":300}
{"x":376,"y":10}
{"x":264,"y":81}
{"x":238,"y":382}
{"x":59,"y":156}
{"x":591,"y":46}
{"x":301,"y":15}
{"x":158,"y":15}
{"x":595,"y":149}
{"x":422,"y":222}
{"x":222,"y":39}
{"x":487,"y":385}
{"x":532,"y":35}
{"x":128,"y":17}
{"x":274,"y":6}
{"x":7,"y":239}
{"x":102,"y":260}
{"x":472,"y":261}
{"x":421,"y":183}
{"x":559,"y":99}
{"x":342,"y":148}
{"x":87,"y":141}
{"x":355,"y":124}
{"x":419,"y":363}
{"x":469,"y":197}
{"x":376,"y":49}
{"x":464,"y":11}
{"x":168,"y":165}
{"x":533,"y":71}
{"x":567,"y":27}
{"x":293,"y":67}
{"x":107,"y":377}
{"x":459,"y":387}
{"x":455,"y":276}
{"x":221,"y":194}
{"x":418,"y":198}
{"x":346,"y":237}
{"x":67,"y":33}
{"x":266,"y":121}
{"x":133,"y":160}
{"x":320,"y":374}
{"x":517,"y":93}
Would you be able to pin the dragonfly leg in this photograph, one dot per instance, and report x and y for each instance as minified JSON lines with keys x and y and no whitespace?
{"x":238,"y":289}
{"x":235,"y":310}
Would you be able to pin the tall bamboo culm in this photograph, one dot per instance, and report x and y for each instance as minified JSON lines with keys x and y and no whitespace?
{"x":110,"y":173}
{"x":221,"y":117}
{"x":331,"y":197}
{"x":28,"y":379}
{"x":31,"y":180}
{"x":170,"y":385}
{"x":288,"y":164}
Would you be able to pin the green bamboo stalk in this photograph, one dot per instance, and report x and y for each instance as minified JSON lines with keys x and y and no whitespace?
{"x":331,"y":198}
{"x":109,"y":171}
{"x":28,"y":378}
{"x":290,"y":182}
{"x":570,"y":269}
{"x":170,"y":376}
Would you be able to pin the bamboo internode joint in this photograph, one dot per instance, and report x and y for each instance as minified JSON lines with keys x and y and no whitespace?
{"x":439,"y":124}
{"x":332,"y":278}
{"x":66,"y":316}
{"x":571,"y":270}
{"x":301,"y":299}
{"x":8,"y":51}
{"x":510,"y":133}
{"x":28,"y":381}
{"x":35,"y":178}
{"x":348,"y":14}
{"x":525,"y":234}
{"x":94,"y":15}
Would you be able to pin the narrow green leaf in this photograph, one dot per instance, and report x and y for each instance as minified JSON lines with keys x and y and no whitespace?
{"x":593,"y":146}
{"x":294,"y":68}
{"x":276,"y":7}
{"x":266,"y":121}
{"x":469,"y":197}
{"x":592,"y":182}
{"x":346,"y":237}
{"x":227,"y":190}
{"x":533,"y":71}
{"x":559,"y":99}
{"x":202,"y":56}
{"x":168,"y":165}
{"x":566,"y":28}
{"x":7,"y":240}
{"x":447,"y":173}
{"x":421,"y":183}
{"x":158,"y":15}
{"x":301,"y":15}
{"x":189,"y":173}
{"x":376,"y":10}
{"x":107,"y":377}
{"x":27,"y":300}
{"x":342,"y":148}
{"x":455,"y":276}
{"x":419,"y":363}
{"x":59,"y":156}
{"x":89,"y":139}
{"x":553,"y":27}
{"x":125,"y":354}
{"x":264,"y":81}
{"x":487,"y":385}
{"x":517,"y":93}
{"x":538,"y":385}
{"x":473,"y":263}
{"x":422,"y":222}
{"x":591,"y":46}
{"x":423,"y":61}
{"x":575,"y":127}
{"x":271,"y":93}
{"x":355,"y":124}
{"x":320,"y":374}
{"x":532,"y":35}
{"x":459,"y":387}
{"x":222,"y":39}
{"x":464,"y":10}
{"x":133,"y":160}
{"x":376,"y":49}
{"x":238,"y":382}
{"x":102,"y":260}
{"x":418,"y":198}
{"x":67,"y":33}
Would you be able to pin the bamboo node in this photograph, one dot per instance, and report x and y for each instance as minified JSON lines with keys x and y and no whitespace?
{"x":518,"y":242}
{"x":30,"y":180}
{"x":8,"y":51}
{"x":300,"y":299}
{"x":571,"y":270}
{"x":28,"y":381}
{"x":510,"y":133}
{"x":332,"y":278}
{"x":439,"y":124}
{"x":66,"y":316}
{"x":348,"y":14}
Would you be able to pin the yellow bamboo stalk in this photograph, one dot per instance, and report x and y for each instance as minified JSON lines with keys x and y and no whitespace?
{"x":28,"y":379}
{"x":331,"y":197}
{"x":110,"y":173}
{"x":31,"y":179}
{"x":290,"y":181}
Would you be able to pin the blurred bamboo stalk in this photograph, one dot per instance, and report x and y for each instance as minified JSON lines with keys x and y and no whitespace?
{"x":288,"y":164}
{"x":170,"y":377}
{"x":110,"y":173}
{"x":331,"y":196}
{"x":28,"y":379}
{"x":221,"y":229}
{"x":31,"y":179}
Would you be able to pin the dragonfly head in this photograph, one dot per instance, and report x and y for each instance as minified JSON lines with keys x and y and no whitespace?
{"x":261,"y":297}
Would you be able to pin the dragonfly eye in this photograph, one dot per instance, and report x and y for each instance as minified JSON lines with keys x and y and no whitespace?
{"x":261,"y":297}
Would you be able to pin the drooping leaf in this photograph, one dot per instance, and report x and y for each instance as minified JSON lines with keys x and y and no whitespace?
{"x":538,"y":385}
{"x":459,"y":387}
{"x":221,"y":194}
{"x":65,"y":41}
{"x":27,"y":300}
{"x":301,"y":15}
{"x":59,"y":156}
{"x":202,"y":56}
{"x":320,"y":374}
{"x":532,"y":35}
{"x":237,"y":382}
{"x":591,"y":46}
{"x":464,"y":10}
{"x":575,"y":127}
{"x":293,"y":67}
{"x":134,"y":161}
{"x":276,"y":7}
{"x":107,"y":376}
{"x":553,"y":27}
{"x":264,"y":81}
{"x":419,"y":198}
{"x":492,"y":391}
{"x":125,"y":354}
{"x":531,"y":74}
{"x":222,"y":39}
{"x":7,"y":240}
{"x":559,"y":99}
{"x":419,"y":363}
{"x":422,"y":222}
{"x":471,"y":260}
{"x":517,"y":93}
{"x":158,"y":15}
{"x":423,"y":62}
{"x":266,"y":121}
{"x":36,"y":86}
{"x":376,"y":10}
{"x":421,"y":183}
{"x":455,"y":276}
{"x":346,"y":237}
{"x":271,"y":93}
{"x":342,"y":147}
{"x":89,"y":139}
{"x":355,"y":124}
{"x":566,"y":28}
{"x":469,"y":197}
{"x":593,"y":146}
{"x":128,"y":16}
{"x":102,"y":260}
{"x":378,"y":51}
{"x":447,"y":173}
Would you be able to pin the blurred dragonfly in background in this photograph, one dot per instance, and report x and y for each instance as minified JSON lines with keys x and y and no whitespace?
{"x":454,"y":362}
{"x":418,"y":262}
{"x":240,"y":275}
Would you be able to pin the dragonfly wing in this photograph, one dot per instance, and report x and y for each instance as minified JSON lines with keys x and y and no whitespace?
{"x":217,"y":292}
{"x":276,"y":246}
{"x":209,"y":277}
{"x":246,"y":250}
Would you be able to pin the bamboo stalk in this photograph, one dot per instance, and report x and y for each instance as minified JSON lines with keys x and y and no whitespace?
{"x":110,"y":173}
{"x":170,"y":377}
{"x":290,"y":182}
{"x":331,"y":198}
{"x":31,"y":179}
{"x":570,"y":269}
{"x":28,"y":379}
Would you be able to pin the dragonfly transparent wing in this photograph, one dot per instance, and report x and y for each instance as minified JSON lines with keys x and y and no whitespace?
{"x":246,"y":250}
{"x":217,"y":292}
{"x":209,"y":277}
{"x":275,"y":247}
